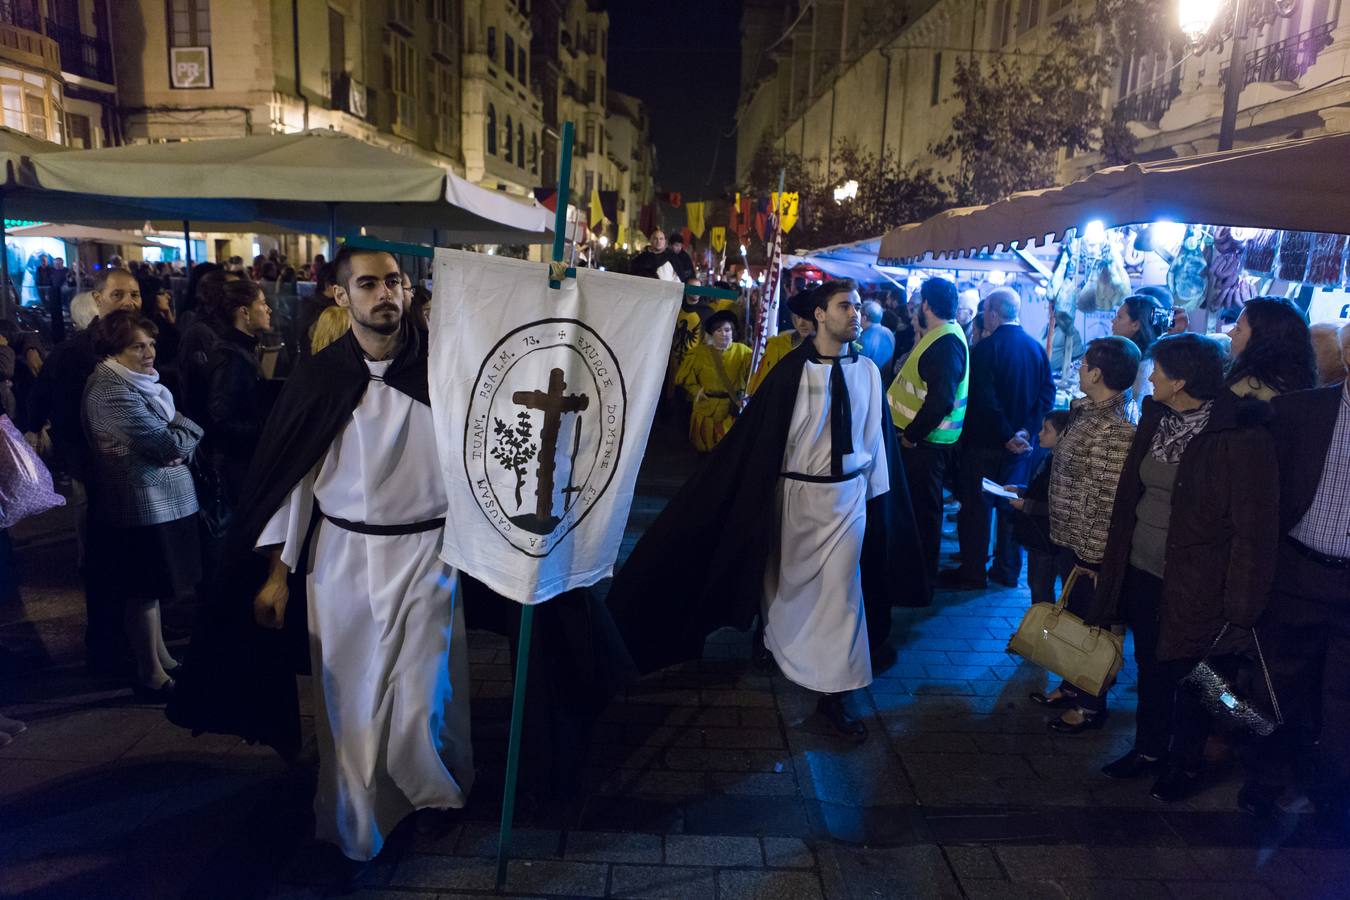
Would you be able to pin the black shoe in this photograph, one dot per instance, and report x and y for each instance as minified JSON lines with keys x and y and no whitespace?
{"x":1131,"y":765}
{"x":1176,"y":785}
{"x":959,"y":580}
{"x":831,"y":706}
{"x":1090,"y":722}
{"x":161,"y":694}
{"x":1258,"y":799}
{"x":1003,"y":579}
{"x":1065,"y":701}
{"x":760,"y":656}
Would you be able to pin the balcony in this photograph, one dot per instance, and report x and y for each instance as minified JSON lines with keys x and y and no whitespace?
{"x":1149,"y":104}
{"x":28,"y":47}
{"x":82,"y":55}
{"x":1286,"y":60}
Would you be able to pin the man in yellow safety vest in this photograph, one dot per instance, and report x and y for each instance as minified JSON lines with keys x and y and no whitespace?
{"x":928,"y":406}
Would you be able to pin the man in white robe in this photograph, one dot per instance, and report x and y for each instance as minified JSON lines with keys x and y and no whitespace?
{"x":387,"y":641}
{"x":833,"y":463}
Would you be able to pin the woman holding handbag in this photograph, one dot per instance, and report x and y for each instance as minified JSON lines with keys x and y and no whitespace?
{"x":1190,"y":555}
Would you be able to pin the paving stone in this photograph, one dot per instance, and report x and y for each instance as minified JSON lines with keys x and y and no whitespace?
{"x":98,"y":735}
{"x":637,"y":781}
{"x":547,"y":877}
{"x":738,"y":698}
{"x":763,"y":784}
{"x":769,"y":885}
{"x":973,"y":862}
{"x":1221,"y":890}
{"x":713,"y":850}
{"x":615,"y":847}
{"x":449,"y":872}
{"x":759,"y":718}
{"x":978,"y":765}
{"x":787,"y":853}
{"x":662,"y":883}
{"x":526,"y":843}
{"x":743,"y":738}
{"x":992,"y":889}
{"x":896,"y":873}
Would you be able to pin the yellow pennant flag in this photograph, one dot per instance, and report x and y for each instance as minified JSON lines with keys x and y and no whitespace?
{"x":694,"y":212}
{"x":719,"y":238}
{"x":786,"y":206}
{"x":597,"y":211}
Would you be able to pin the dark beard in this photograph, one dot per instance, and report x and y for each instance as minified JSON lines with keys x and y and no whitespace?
{"x":923,"y":320}
{"x":383,"y":328}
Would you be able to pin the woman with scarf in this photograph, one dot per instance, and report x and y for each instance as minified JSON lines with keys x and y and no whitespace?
{"x":1190,"y":555}
{"x":714,"y":375}
{"x":140,"y":446}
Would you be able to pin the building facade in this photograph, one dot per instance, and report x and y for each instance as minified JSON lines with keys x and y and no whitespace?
{"x":503,"y":112}
{"x":57,"y":81}
{"x":879,"y":73}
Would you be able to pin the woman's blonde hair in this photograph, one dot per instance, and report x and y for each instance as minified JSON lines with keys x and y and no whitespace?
{"x":332,"y":324}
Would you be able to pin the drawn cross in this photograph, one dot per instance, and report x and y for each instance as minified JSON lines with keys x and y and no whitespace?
{"x":553,"y":403}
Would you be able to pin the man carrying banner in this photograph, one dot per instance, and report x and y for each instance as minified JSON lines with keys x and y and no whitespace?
{"x":814,"y":445}
{"x":346,"y":510}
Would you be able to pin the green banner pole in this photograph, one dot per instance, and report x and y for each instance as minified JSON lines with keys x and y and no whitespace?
{"x":527,"y":613}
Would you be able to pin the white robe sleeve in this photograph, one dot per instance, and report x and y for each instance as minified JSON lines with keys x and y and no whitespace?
{"x":878,"y":474}
{"x":290,"y":523}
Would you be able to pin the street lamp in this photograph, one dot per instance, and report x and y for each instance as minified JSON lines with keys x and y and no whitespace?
{"x":1202,"y":22}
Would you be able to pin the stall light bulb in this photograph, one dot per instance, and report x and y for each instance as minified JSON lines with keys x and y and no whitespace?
{"x":1167,"y":234}
{"x":1094,"y":231}
{"x":997,"y":277}
{"x":742,"y":250}
{"x":1244,"y":234}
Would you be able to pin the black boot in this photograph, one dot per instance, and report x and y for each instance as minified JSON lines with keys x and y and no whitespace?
{"x":831,"y":706}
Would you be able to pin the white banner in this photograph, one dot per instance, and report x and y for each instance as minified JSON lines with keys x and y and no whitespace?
{"x":543,"y":401}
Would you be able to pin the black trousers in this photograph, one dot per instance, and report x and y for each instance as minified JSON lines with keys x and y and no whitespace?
{"x":1168,"y":722}
{"x":1044,"y":567}
{"x":972,"y":522}
{"x":1305,"y":636}
{"x":925,"y":465}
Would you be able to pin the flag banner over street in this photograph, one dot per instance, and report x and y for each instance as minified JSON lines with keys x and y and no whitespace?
{"x":543,"y":399}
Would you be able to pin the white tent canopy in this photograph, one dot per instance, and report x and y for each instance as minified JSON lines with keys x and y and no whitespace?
{"x":82,"y":233}
{"x":309,"y":181}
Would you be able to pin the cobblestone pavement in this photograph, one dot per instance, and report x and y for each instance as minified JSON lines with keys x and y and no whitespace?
{"x":711,"y":780}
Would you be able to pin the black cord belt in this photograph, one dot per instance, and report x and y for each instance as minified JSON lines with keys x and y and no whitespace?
{"x":821,"y":479}
{"x":386,"y":530}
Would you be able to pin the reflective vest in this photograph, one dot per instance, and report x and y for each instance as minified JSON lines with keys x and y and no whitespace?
{"x":908,"y":391}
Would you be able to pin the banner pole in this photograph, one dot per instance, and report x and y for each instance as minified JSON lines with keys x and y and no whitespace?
{"x":527,"y":613}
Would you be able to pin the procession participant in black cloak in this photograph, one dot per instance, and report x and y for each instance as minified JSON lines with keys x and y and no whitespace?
{"x":814,"y":447}
{"x":240,"y":678}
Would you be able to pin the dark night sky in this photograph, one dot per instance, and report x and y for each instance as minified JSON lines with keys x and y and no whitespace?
{"x":683,"y":60}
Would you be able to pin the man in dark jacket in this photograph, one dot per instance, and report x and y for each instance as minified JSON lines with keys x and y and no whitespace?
{"x":57,"y":397}
{"x":1010,"y":393}
{"x":1306,"y":628}
{"x":679,"y":258}
{"x":649,"y":260}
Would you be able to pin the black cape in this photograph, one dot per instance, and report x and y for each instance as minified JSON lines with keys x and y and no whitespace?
{"x":239,"y":678}
{"x":700,"y":566}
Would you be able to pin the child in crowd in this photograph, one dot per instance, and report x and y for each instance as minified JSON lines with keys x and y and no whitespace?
{"x":1045,"y":561}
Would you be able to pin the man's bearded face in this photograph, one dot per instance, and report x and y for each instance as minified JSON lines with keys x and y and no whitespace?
{"x":842,"y":319}
{"x":374,"y":293}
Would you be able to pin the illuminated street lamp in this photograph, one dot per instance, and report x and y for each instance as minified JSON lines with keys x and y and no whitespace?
{"x":1202,"y":21}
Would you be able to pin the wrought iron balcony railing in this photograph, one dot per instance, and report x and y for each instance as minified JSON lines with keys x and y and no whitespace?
{"x":1149,"y":104}
{"x":1286,"y":60}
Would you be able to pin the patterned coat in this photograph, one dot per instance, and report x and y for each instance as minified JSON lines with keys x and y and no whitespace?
{"x":1085,"y":473}
{"x":139,"y":472}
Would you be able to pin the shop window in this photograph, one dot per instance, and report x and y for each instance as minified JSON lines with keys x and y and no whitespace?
{"x":32,"y":103}
{"x":935,"y":94}
{"x":492,"y":130}
{"x":189,"y":23}
{"x":509,"y":156}
{"x":510,"y":55}
{"x":80,"y":131}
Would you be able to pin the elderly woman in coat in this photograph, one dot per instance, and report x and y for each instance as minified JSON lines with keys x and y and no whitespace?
{"x":140,"y":448}
{"x":1190,"y":555}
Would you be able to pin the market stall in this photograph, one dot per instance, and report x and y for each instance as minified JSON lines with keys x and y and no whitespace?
{"x":1215,"y":230}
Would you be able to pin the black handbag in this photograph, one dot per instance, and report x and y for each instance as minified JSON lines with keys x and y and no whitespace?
{"x":213,"y":494}
{"x":1214,"y":681}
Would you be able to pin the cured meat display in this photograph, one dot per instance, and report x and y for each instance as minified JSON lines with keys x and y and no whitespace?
{"x":1228,"y":288}
{"x":1327,"y":261}
{"x":1259,"y":255}
{"x":1295,"y":247}
{"x":1188,"y":277}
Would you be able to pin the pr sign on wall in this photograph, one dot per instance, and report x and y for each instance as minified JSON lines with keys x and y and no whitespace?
{"x":190,"y":67}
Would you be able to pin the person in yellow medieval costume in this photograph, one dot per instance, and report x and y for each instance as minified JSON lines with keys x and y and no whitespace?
{"x":783,"y":343}
{"x":714,"y":376}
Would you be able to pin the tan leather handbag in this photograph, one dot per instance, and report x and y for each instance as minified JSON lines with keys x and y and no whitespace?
{"x":1054,"y":638}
